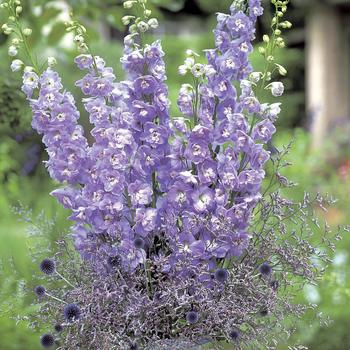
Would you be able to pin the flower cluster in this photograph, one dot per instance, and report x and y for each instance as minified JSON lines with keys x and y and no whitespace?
{"x":163,"y":208}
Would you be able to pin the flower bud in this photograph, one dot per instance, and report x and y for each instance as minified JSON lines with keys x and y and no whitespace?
{"x":6,"y":29}
{"x":15,"y":41}
{"x":51,"y":61}
{"x":153,"y":23}
{"x":129,"y":40}
{"x":27,"y":31}
{"x":28,"y":69}
{"x":16,"y":65}
{"x":255,"y":77}
{"x":278,"y":32}
{"x":147,"y":13}
{"x":79,"y":39}
{"x":183,"y":69}
{"x":142,"y":26}
{"x":266,"y":38}
{"x":129,"y":4}
{"x":262,"y":50}
{"x":127,"y":19}
{"x":12,"y":51}
{"x":281,"y":69}
{"x":277,"y":88}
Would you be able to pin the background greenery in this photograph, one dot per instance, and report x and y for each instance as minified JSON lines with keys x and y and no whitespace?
{"x":23,"y":177}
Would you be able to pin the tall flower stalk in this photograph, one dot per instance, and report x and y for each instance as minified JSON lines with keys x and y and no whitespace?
{"x":180,"y":243}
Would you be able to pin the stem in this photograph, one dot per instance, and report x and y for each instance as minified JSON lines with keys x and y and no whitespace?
{"x":64,"y":279}
{"x":57,"y":299}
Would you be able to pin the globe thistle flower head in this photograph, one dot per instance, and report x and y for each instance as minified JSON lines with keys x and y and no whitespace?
{"x":139,"y":243}
{"x":72,"y":312}
{"x":113,"y":261}
{"x":264,"y":312}
{"x":47,"y":341}
{"x":192,"y":317}
{"x":234,"y":334}
{"x":221,"y":275}
{"x":40,"y":291}
{"x":48,"y":266}
{"x":58,"y":327}
{"x":274,"y":285}
{"x":265,"y":269}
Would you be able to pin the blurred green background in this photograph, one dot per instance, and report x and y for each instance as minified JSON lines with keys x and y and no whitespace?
{"x":184,"y":24}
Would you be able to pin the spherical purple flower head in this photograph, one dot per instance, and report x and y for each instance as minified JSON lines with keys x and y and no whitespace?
{"x":72,"y":312}
{"x":274,"y":285}
{"x":139,"y":243}
{"x":40,"y":291}
{"x":265,"y":269}
{"x":47,"y":341}
{"x":58,"y":327}
{"x":221,"y":275}
{"x":234,"y":334}
{"x":264,"y":311}
{"x":192,"y":317}
{"x":114,"y":261}
{"x":48,"y":266}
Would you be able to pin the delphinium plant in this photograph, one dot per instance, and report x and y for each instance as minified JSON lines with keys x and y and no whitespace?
{"x":181,"y":238}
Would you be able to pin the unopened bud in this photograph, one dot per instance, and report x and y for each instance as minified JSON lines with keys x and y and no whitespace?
{"x":12,"y":51}
{"x":127,"y":19}
{"x":51,"y":61}
{"x":15,"y":41}
{"x":266,"y":38}
{"x":128,"y":4}
{"x":262,"y":50}
{"x":27,"y":31}
{"x":79,"y":39}
{"x":19,"y":10}
{"x":147,"y":13}
{"x":281,"y":69}
{"x":153,"y":23}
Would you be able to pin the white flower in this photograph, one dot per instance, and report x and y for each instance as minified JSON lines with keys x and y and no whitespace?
{"x":277,"y":88}
{"x":255,"y":77}
{"x":16,"y":65}
{"x":198,"y":70}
